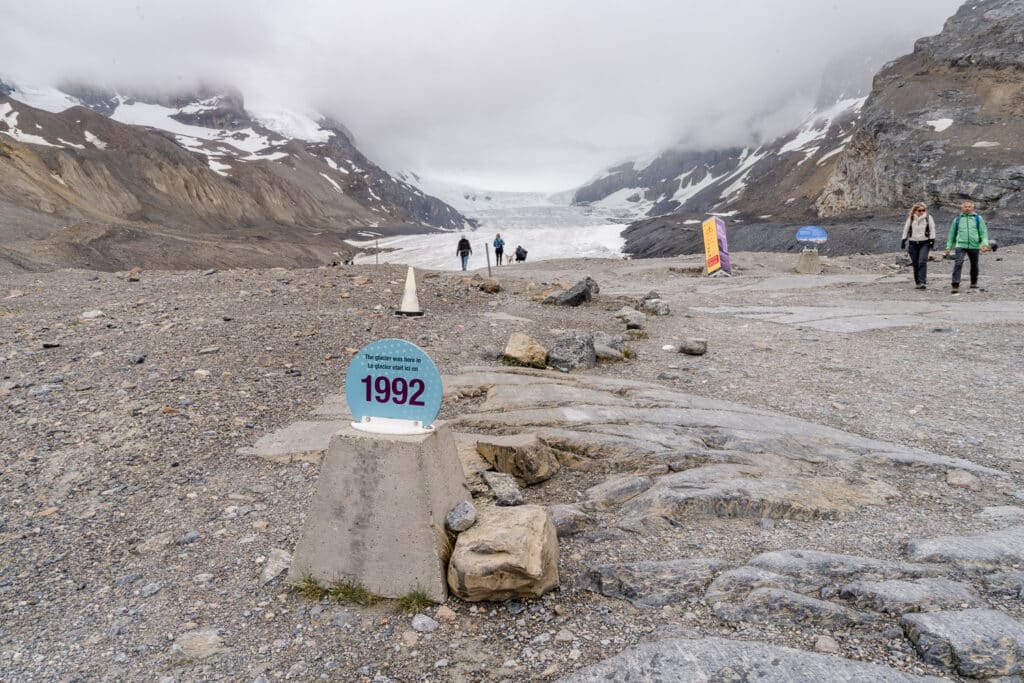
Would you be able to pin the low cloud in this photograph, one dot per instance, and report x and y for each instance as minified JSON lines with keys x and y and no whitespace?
{"x":524,"y":95}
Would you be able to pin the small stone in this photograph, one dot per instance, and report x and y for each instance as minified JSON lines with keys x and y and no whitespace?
{"x":209,"y":350}
{"x":963,"y":479}
{"x":826,"y":644}
{"x":138,"y":358}
{"x":194,"y":646}
{"x":445,"y":613}
{"x":190,"y":537}
{"x":441,"y":663}
{"x":276,"y":564}
{"x":461,"y":517}
{"x":424,"y":624}
{"x":202,"y":578}
{"x":490,"y":286}
{"x":564,"y":636}
{"x":410,"y":638}
{"x":503,"y":486}
{"x":150,"y":589}
{"x":92,"y":315}
{"x":694,"y":347}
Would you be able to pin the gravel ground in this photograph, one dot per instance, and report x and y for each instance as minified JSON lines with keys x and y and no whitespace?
{"x":127,"y":519}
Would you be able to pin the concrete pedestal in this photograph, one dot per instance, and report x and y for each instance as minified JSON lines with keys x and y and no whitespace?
{"x":809,"y":263}
{"x":377,"y":519}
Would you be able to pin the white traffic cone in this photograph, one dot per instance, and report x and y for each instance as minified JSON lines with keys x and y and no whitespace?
{"x":410,"y":302}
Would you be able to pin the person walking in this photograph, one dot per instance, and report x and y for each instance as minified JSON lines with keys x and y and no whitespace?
{"x":919,"y":232}
{"x":499,"y":248}
{"x":463,"y":251}
{"x":968,"y":235}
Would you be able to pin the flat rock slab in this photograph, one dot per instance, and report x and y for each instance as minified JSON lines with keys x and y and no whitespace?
{"x":1005,"y":546}
{"x":504,"y":487}
{"x":717,"y":660}
{"x":775,"y":604}
{"x":834,"y":566}
{"x":653,"y":584}
{"x":861,"y":317}
{"x":919,"y":595}
{"x":978,"y":643}
{"x":1007,"y":583}
{"x":303,"y":441}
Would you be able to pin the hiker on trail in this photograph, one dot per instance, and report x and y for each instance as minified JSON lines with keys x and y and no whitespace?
{"x":499,"y":247}
{"x":520,"y":254}
{"x":463,"y":251}
{"x":919,"y":231}
{"x":968,"y":235}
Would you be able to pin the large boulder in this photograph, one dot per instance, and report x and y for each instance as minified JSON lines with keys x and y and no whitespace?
{"x":521,"y":349}
{"x":579,"y":293}
{"x":522,"y":455}
{"x":509,"y":553}
{"x":573,"y":351}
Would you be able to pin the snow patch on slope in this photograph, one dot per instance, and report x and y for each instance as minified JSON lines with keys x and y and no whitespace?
{"x":10,"y":117}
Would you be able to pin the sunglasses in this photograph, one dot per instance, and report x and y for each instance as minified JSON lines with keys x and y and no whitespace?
{"x":919,"y":211}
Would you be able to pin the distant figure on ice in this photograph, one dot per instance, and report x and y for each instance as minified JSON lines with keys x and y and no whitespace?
{"x":499,"y":248}
{"x":463,"y":251}
{"x":919,"y":230}
{"x":968,"y":235}
{"x":520,"y":254}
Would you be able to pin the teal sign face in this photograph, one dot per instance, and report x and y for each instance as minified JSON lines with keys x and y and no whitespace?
{"x":394,"y":379}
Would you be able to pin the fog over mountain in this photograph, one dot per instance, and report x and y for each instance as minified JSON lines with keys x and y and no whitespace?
{"x":509,"y":95}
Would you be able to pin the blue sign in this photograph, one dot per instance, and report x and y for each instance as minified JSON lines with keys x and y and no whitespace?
{"x":811,"y":233}
{"x":395,"y":379}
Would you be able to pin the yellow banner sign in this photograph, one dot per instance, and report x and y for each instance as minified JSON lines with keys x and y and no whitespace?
{"x":712,"y":258}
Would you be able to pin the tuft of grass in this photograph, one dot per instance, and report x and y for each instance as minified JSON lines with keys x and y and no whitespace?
{"x":628,"y":353}
{"x":310,"y":589}
{"x":347,"y":591}
{"x":413,"y":602}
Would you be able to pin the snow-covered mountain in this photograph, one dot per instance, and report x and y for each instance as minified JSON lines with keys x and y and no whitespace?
{"x":190,"y":164}
{"x":783,"y":176}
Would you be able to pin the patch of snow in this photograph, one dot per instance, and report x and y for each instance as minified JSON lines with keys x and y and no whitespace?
{"x":95,"y":141}
{"x":218,"y":167}
{"x":829,"y":155}
{"x":270,"y":156}
{"x":940,"y":124}
{"x":765,"y":217}
{"x":691,"y":221}
{"x":70,"y":144}
{"x":45,"y":98}
{"x":726,"y":214}
{"x":739,"y":176}
{"x":618,"y":202}
{"x":158,"y":116}
{"x":335,"y":185}
{"x":292,"y":124}
{"x":817,"y":124}
{"x":58,"y":179}
{"x":10,"y":117}
{"x":985,"y":143}
{"x":690,"y":190}
{"x":791,"y":200}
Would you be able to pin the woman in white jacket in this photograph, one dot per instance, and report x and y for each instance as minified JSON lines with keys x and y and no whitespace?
{"x":919,"y":231}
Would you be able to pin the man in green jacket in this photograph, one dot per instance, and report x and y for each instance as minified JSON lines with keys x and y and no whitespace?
{"x":968,"y":234}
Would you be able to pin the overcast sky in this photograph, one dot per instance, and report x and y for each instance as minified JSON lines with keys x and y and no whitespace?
{"x":523,"y":94}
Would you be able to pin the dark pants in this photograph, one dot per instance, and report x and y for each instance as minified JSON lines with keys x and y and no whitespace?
{"x":919,"y":257}
{"x":499,"y":252}
{"x":958,"y":265}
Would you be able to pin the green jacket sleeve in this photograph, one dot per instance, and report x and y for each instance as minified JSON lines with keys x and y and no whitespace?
{"x":952,"y":234}
{"x":982,"y":232}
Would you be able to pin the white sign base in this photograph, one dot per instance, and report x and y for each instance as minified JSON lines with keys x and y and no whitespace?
{"x":390,"y":425}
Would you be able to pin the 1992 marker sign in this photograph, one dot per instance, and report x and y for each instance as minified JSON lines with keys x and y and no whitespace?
{"x":394,"y":379}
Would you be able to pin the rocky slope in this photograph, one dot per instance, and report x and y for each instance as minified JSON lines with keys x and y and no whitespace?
{"x":943,"y":123}
{"x":939,"y":125}
{"x":106,"y":179}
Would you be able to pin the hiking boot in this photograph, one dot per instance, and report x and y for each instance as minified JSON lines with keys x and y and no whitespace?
{"x":974,"y":285}
{"x":920,"y":287}
{"x":956,"y":288}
